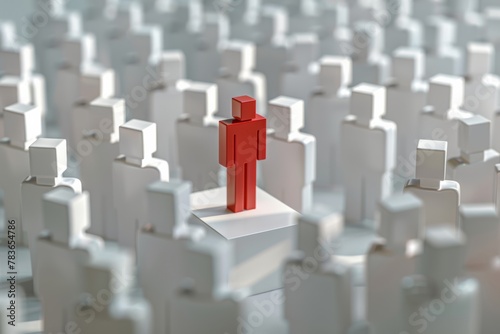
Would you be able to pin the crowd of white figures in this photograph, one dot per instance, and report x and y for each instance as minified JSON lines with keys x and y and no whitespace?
{"x":377,"y":204}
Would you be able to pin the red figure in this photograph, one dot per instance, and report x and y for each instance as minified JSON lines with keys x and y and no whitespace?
{"x":242,"y":141}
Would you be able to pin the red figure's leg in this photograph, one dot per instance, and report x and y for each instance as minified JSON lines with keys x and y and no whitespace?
{"x":250,"y":185}
{"x":235,"y":188}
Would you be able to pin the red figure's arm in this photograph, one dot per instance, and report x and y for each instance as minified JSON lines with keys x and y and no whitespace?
{"x":226,"y":145}
{"x":262,"y":141}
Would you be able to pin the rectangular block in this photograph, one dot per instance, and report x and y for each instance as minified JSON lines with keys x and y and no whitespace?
{"x":261,"y":238}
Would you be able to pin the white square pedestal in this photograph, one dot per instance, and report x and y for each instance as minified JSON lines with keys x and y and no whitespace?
{"x":261,"y":238}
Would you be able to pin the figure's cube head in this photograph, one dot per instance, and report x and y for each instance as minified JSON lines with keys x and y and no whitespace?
{"x":479,"y":58}
{"x":244,"y":108}
{"x":147,"y":41}
{"x":48,"y":158}
{"x":23,"y":122}
{"x":273,"y":22}
{"x":200,"y":99}
{"x":304,"y":50}
{"x":111,"y":266}
{"x":14,"y":90}
{"x":169,"y":206}
{"x":481,"y":226}
{"x":400,"y":219}
{"x":18,"y":60}
{"x":238,"y":57}
{"x":431,"y":159}
{"x":66,"y":214}
{"x":474,"y":134}
{"x":408,"y":64}
{"x":439,"y":32}
{"x":335,"y":72}
{"x":368,"y":38}
{"x":216,"y":28}
{"x":316,"y":232}
{"x":96,"y":82}
{"x":138,"y":139}
{"x":207,"y":264}
{"x":445,"y":92}
{"x":7,"y":33}
{"x":285,"y":115}
{"x":171,"y":67}
{"x":334,"y":15}
{"x":128,"y":16}
{"x":367,"y":102}
{"x":443,"y":256}
{"x":77,"y":50}
{"x":106,"y":116}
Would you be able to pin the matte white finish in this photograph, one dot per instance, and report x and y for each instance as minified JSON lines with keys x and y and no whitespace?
{"x":48,"y":161}
{"x":207,"y":304}
{"x":62,"y":251}
{"x":311,"y":277}
{"x":23,"y":126}
{"x":439,"y":119}
{"x":368,"y":169}
{"x":474,"y":169}
{"x":370,"y":65}
{"x":197,"y":137}
{"x":328,"y":106}
{"x":406,"y":96}
{"x":402,"y":30}
{"x":237,"y":78}
{"x":441,"y":284}
{"x":481,"y":228}
{"x":12,"y":90}
{"x":98,"y":148}
{"x":261,"y":238}
{"x":441,"y":197}
{"x":388,"y":261}
{"x":18,"y":60}
{"x":289,"y":170}
{"x":301,"y":70}
{"x":166,"y":106}
{"x":169,"y":234}
{"x":133,"y":171}
{"x":334,"y":33}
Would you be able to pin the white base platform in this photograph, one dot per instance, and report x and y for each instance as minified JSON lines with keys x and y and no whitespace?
{"x":261,"y":238}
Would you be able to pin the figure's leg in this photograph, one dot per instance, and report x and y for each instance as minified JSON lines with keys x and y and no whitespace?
{"x":235,"y":188}
{"x":250,"y":185}
{"x":353,"y":196}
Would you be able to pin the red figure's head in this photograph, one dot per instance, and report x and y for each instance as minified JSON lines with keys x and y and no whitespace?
{"x":243,"y":108}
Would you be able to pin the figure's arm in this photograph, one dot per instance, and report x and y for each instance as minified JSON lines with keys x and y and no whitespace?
{"x":226,"y":145}
{"x":262,"y":142}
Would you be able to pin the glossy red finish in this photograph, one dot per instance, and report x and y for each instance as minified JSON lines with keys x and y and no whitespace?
{"x":241,"y":144}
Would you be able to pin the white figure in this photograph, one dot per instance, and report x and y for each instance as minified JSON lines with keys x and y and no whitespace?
{"x":77,"y":52}
{"x":237,"y":78}
{"x":303,"y":15}
{"x":7,"y":33}
{"x":406,"y":97}
{"x":167,"y":233}
{"x":334,"y":32}
{"x":197,"y":137}
{"x":441,"y":197}
{"x":439,"y":118}
{"x":97,"y":19}
{"x":474,"y":169}
{"x":94,"y":82}
{"x":368,"y":153}
{"x":206,"y":60}
{"x":12,"y":90}
{"x":63,"y":249}
{"x":207,"y":305}
{"x":99,"y":146}
{"x":289,"y":169}
{"x":23,"y":125}
{"x":369,"y":63}
{"x":317,"y":289}
{"x":299,"y":80}
{"x":108,"y":306}
{"x":167,"y":105}
{"x":328,"y":106}
{"x":48,"y":162}
{"x":243,"y":17}
{"x":482,"y":89}
{"x":480,"y":225}
{"x":401,"y":30}
{"x":492,"y":17}
{"x":139,"y":71}
{"x":441,"y":56}
{"x":440,"y":298}
{"x":133,"y":171}
{"x":388,"y":261}
{"x":470,"y":23}
{"x":272,"y":48}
